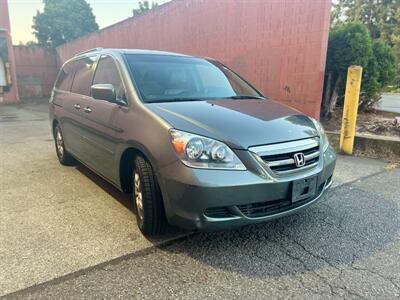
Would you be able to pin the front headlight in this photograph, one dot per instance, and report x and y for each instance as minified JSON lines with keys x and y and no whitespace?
{"x":322,"y":134}
{"x":200,"y":152}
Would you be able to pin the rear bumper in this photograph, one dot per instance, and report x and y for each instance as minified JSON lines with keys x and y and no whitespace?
{"x":215,"y":200}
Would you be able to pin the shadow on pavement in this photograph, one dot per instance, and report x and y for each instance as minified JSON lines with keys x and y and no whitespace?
{"x":347,"y":225}
{"x":126,"y":201}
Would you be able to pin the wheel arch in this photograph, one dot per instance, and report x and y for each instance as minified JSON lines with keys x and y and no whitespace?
{"x":54,"y":125}
{"x":127,"y":157}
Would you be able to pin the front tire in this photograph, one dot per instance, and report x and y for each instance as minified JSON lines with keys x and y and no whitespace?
{"x":64,"y":157}
{"x":147,"y":198}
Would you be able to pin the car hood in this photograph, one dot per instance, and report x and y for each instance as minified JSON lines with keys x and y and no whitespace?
{"x":238,"y":123}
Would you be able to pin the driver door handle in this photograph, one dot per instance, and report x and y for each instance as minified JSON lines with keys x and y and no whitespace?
{"x":87,"y":110}
{"x":77,"y":106}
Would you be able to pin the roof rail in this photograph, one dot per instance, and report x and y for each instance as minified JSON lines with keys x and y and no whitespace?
{"x":88,"y":51}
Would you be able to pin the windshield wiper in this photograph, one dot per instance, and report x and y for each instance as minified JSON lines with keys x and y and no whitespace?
{"x":238,"y":97}
{"x":176,"y":100}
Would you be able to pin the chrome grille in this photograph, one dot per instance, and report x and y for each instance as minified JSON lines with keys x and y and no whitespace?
{"x":279,"y":158}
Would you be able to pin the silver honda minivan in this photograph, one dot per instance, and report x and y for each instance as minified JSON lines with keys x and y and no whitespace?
{"x":196,"y":144}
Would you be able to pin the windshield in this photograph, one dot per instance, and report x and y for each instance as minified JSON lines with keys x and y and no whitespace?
{"x":162,"y":78}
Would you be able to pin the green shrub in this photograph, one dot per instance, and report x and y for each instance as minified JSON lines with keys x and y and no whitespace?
{"x":351,"y":44}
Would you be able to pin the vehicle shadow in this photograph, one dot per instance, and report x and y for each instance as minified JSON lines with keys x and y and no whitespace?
{"x":127,"y":202}
{"x":347,"y":225}
{"x":123,"y":198}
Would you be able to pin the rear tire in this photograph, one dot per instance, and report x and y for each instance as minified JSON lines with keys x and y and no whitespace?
{"x":64,"y":157}
{"x":150,"y":215}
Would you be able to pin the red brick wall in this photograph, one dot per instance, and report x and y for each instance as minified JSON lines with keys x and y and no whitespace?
{"x":10,"y":96}
{"x":4,"y":17}
{"x":278,"y":45}
{"x":36,"y":70}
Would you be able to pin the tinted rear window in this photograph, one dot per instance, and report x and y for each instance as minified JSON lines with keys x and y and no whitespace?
{"x":66,"y":76}
{"x":84,"y":75}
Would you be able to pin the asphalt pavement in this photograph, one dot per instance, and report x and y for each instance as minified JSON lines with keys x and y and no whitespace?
{"x":67,"y":234}
{"x":389,"y":103}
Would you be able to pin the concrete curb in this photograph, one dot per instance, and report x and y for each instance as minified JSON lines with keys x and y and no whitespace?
{"x":374,"y":146}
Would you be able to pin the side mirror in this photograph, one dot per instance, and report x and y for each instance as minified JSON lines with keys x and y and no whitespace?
{"x":104,"y":91}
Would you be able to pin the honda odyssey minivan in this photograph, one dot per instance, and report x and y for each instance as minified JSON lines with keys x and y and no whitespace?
{"x":196,"y":144}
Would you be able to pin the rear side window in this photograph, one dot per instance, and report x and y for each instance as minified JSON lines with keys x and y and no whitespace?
{"x":65,"y":77}
{"x":107,"y":72}
{"x":83,"y":75}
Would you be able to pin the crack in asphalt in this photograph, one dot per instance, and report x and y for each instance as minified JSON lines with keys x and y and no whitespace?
{"x":350,"y":235}
{"x":309,"y":252}
{"x":134,"y":255}
{"x":306,"y":267}
{"x":385,"y":278}
{"x":333,"y":288}
{"x":361,"y":237}
{"x":323,"y":279}
{"x":299,"y":279}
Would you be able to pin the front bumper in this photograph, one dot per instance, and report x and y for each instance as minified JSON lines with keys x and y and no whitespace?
{"x":215,"y":199}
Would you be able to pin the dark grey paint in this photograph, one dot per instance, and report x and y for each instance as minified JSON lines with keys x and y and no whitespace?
{"x":101,"y":137}
{"x":239,"y":123}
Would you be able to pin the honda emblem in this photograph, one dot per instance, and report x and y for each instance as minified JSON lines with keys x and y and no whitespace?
{"x":299,"y":160}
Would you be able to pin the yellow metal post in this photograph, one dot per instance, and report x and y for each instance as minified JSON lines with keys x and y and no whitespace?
{"x":353,"y":85}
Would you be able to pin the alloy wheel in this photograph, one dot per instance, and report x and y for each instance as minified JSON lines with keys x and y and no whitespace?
{"x":138,"y":196}
{"x":59,"y":143}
